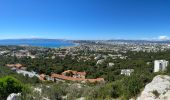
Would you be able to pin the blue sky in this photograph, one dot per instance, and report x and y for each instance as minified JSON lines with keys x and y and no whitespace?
{"x":85,"y":19}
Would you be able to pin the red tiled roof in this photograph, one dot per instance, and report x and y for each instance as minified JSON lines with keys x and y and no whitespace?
{"x":63,"y":77}
{"x":18,"y":65}
{"x":95,"y":80}
{"x":42,"y":76}
{"x":14,"y":65}
{"x":74,"y":72}
{"x":10,"y":65}
{"x":81,"y":73}
{"x":66,"y":77}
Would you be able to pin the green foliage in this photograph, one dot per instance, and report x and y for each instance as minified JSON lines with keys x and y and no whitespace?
{"x":55,"y":92}
{"x":9,"y":85}
{"x":98,"y":92}
{"x":116,"y":90}
{"x":117,"y":86}
{"x":155,"y":92}
{"x":168,"y":69}
{"x":4,"y":71}
{"x":131,"y":86}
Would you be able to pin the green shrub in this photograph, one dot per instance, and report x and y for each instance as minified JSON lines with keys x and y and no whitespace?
{"x":155,"y":92}
{"x":116,"y":89}
{"x":132,"y":86}
{"x":9,"y":85}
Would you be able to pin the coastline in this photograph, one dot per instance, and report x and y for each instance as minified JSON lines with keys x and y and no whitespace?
{"x":67,"y":47}
{"x":44,"y":43}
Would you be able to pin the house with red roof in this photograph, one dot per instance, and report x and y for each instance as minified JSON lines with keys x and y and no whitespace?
{"x":74,"y":74}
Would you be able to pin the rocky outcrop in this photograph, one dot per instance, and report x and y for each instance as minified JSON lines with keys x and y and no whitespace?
{"x":14,"y":96}
{"x":158,"y":89}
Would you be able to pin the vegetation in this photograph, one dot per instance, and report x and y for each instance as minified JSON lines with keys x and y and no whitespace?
{"x":155,"y":92}
{"x":116,"y":86}
{"x":9,"y":85}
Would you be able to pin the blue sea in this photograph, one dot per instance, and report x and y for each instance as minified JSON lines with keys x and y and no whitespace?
{"x":50,"y":43}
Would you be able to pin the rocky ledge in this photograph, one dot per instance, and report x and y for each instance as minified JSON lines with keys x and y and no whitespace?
{"x":158,"y":89}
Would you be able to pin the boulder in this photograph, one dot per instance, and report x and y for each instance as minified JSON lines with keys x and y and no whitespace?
{"x":14,"y":96}
{"x":158,"y":89}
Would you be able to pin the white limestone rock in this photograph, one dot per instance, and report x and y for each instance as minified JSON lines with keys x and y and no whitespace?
{"x":82,"y":98}
{"x":14,"y":96}
{"x":158,"y":89}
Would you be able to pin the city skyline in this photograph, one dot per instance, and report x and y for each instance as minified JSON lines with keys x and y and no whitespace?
{"x":85,"y":19}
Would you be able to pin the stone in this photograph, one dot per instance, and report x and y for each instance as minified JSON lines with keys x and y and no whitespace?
{"x":14,"y":96}
{"x":158,"y":89}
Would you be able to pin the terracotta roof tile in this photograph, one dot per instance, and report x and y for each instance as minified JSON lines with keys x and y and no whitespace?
{"x":63,"y":77}
{"x":74,"y":72}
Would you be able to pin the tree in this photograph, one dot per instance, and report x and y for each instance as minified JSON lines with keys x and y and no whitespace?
{"x":131,"y":86}
{"x":9,"y":85}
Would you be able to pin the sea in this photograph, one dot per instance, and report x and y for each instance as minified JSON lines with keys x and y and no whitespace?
{"x":49,"y":43}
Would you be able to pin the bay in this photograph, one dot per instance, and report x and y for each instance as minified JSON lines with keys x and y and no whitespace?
{"x":51,"y":43}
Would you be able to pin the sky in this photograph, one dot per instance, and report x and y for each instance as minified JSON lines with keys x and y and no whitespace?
{"x":85,"y":19}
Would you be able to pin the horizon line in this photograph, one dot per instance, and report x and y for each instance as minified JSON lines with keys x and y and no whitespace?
{"x":86,"y":39}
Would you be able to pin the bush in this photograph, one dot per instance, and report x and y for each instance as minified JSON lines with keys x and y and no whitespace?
{"x":116,"y":89}
{"x":132,"y":86}
{"x":9,"y":85}
{"x":155,"y":92}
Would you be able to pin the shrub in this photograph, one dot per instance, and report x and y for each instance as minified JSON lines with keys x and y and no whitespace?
{"x":131,"y":86}
{"x":155,"y":92}
{"x":9,"y":85}
{"x":116,"y":89}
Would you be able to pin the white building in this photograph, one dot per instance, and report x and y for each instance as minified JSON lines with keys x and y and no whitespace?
{"x":160,"y":65}
{"x":100,"y":61}
{"x":25,"y":73}
{"x":111,"y":64}
{"x":127,"y":72}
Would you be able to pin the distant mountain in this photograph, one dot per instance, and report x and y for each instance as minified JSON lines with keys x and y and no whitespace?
{"x":140,"y":41}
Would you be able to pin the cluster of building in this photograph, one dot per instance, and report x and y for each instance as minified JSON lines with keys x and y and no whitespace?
{"x":18,"y":68}
{"x":23,"y":53}
{"x":127,"y":72}
{"x":70,"y":75}
{"x":4,"y":52}
{"x":159,"y":66}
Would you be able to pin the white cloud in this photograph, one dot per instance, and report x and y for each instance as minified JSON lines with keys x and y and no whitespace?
{"x":163,"y":38}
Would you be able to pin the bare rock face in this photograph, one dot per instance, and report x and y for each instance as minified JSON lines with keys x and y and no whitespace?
{"x":158,"y":89}
{"x":14,"y":96}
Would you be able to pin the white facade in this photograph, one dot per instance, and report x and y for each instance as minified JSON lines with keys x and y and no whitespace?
{"x":100,"y":61}
{"x":127,"y":72}
{"x":111,"y":64}
{"x":160,"y":65}
{"x":30,"y":74}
